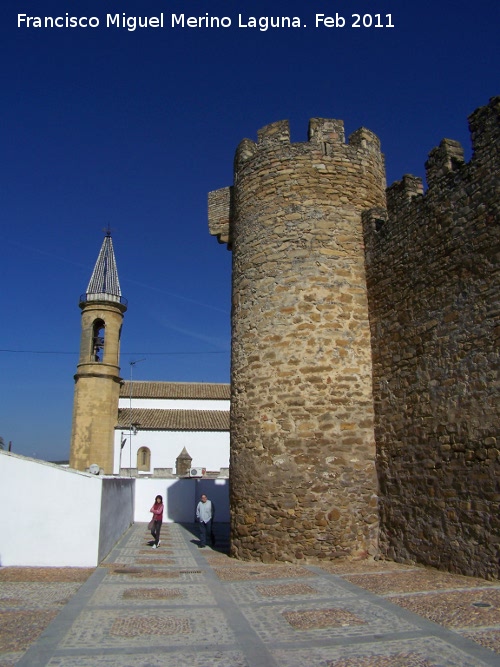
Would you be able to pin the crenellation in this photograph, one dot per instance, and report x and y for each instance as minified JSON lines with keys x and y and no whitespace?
{"x":326,"y":131}
{"x":443,"y":160}
{"x":402,"y":192}
{"x":484,"y":126}
{"x":246,"y":149}
{"x":274,"y":133}
{"x":326,"y":137}
{"x":365,"y":139}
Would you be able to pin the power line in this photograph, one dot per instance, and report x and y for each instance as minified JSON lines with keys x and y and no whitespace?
{"x":37,"y":352}
{"x":58,"y":352}
{"x":175,"y":353}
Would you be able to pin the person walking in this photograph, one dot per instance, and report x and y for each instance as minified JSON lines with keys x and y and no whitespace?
{"x":157,"y":520}
{"x":205,"y":512}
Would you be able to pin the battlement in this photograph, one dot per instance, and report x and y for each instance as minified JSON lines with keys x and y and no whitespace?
{"x":324,"y":163}
{"x":324,"y":130}
{"x":402,"y":192}
{"x":484,"y":126}
{"x":321,"y":131}
{"x":324,"y":134}
{"x":446,"y":158}
{"x":274,"y":133}
{"x":446,"y":169}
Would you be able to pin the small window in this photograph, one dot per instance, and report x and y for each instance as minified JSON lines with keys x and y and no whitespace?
{"x":144,"y":459}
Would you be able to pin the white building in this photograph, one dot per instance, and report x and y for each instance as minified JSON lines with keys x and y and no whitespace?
{"x":166,"y":429}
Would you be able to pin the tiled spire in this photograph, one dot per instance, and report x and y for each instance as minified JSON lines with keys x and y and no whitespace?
{"x":104,"y":283}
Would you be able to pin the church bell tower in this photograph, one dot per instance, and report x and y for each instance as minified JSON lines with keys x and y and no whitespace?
{"x":97,"y":380}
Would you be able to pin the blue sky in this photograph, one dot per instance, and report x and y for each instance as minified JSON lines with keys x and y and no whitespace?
{"x":108,"y":127}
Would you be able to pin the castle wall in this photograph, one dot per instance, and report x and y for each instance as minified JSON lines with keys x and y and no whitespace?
{"x":303,"y":479}
{"x":433,"y":284}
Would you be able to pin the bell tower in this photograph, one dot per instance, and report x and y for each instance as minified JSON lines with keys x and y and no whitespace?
{"x":97,"y":380}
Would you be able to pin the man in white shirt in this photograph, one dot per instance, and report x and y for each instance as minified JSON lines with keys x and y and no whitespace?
{"x":205,"y":511}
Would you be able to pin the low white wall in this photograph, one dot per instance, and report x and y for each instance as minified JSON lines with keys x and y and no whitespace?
{"x":58,"y":517}
{"x":51,"y":516}
{"x":48,"y":514}
{"x":180,"y":497}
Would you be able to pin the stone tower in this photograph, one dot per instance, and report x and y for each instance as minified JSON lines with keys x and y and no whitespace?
{"x":97,"y":381}
{"x":303,"y":479}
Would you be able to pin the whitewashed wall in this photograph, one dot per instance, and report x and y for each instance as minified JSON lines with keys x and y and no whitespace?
{"x":180,"y":497}
{"x":58,"y":517}
{"x":51,"y":516}
{"x":175,"y":404}
{"x":208,"y":449}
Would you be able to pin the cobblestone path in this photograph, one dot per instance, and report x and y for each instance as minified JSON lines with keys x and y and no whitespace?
{"x":180,"y":606}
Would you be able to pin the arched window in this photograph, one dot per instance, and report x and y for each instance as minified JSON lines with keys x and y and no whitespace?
{"x":98,"y":333}
{"x":143,"y":459}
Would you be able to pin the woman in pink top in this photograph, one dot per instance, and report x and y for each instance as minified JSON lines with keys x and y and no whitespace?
{"x":157,"y":511}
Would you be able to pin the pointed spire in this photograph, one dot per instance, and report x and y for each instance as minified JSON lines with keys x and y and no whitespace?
{"x":104,"y":284}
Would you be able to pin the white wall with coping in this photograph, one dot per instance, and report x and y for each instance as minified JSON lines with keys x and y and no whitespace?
{"x":208,"y":449}
{"x":176,"y":404}
{"x":51,"y":516}
{"x":59,"y":517}
{"x":180,"y":497}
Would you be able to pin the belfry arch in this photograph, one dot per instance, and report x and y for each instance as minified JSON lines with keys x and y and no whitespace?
{"x":98,"y":339}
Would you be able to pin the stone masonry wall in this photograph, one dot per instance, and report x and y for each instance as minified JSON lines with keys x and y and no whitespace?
{"x":433,"y":281}
{"x":303,"y":479}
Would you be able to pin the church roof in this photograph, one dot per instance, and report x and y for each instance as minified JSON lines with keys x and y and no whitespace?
{"x":199,"y":390}
{"x":104,"y":283}
{"x":173,"y":420}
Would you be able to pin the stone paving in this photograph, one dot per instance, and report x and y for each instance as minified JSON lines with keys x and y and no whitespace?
{"x":180,"y":606}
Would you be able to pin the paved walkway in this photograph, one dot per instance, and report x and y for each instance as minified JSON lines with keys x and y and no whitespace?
{"x":181,"y":606}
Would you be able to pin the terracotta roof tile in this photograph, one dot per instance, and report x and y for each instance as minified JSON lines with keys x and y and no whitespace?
{"x":201,"y":390}
{"x":173,"y":420}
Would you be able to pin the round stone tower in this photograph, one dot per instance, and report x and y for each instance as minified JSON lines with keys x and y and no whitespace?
{"x":303,"y":479}
{"x":97,"y":381}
